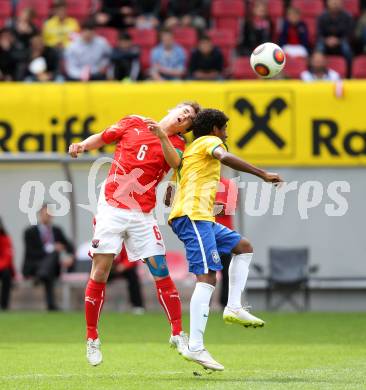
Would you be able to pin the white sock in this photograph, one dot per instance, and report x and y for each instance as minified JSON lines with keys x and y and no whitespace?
{"x":199,"y":309}
{"x":238,"y":275}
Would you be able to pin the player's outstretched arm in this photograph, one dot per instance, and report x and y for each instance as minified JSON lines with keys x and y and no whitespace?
{"x":238,"y":164}
{"x":93,"y":142}
{"x":170,"y":154}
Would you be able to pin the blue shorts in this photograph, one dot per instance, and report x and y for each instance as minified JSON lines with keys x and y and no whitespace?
{"x":204,"y":241}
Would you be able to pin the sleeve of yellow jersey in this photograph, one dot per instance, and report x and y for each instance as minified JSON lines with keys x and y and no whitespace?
{"x":211,"y":143}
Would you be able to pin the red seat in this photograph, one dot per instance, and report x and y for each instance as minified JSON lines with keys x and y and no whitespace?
{"x":309,"y":8}
{"x":311,"y":24}
{"x":352,"y":6}
{"x":294,"y":66}
{"x":338,"y":63}
{"x":145,"y":58}
{"x":228,"y":14}
{"x":225,"y":40}
{"x":109,"y":33}
{"x":275,"y":10}
{"x":227,"y":8}
{"x":241,"y":69}
{"x":5,"y":9}
{"x":222,"y":38}
{"x":41,"y":7}
{"x":144,"y":38}
{"x":78,"y":9}
{"x":359,"y":67}
{"x":186,"y":37}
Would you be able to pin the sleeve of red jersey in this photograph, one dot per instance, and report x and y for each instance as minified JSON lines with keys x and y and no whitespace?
{"x":115,"y":132}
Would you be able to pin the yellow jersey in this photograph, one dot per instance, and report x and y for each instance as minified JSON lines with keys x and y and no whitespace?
{"x":197,"y":180}
{"x":56,"y":32}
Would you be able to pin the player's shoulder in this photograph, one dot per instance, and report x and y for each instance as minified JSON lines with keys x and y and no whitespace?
{"x":206,"y":140}
{"x":177,"y":140}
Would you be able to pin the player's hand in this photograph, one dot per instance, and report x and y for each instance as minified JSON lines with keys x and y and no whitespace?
{"x":271,"y":177}
{"x":75,"y":149}
{"x":155,"y":128}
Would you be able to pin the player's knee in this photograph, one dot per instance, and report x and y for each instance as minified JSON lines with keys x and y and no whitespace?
{"x":158,"y":266}
{"x":209,"y":278}
{"x":244,"y":246}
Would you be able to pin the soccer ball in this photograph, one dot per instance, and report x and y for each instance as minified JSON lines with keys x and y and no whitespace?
{"x":267,"y":60}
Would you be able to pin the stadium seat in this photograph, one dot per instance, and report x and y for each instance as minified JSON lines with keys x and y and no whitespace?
{"x":359,"y":67}
{"x":309,"y":8}
{"x":275,"y":10}
{"x":145,"y":58}
{"x":311,"y":24}
{"x":186,"y":37}
{"x":78,"y":9}
{"x":241,"y":69}
{"x":228,"y":14}
{"x":222,"y":38}
{"x":225,"y":40}
{"x":41,"y":7}
{"x":144,"y":38}
{"x":227,"y":8}
{"x":294,"y":67}
{"x":109,"y":33}
{"x":5,"y":9}
{"x":352,"y":6}
{"x":338,"y":63}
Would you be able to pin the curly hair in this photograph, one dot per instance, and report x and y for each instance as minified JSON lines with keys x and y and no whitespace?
{"x":206,"y":120}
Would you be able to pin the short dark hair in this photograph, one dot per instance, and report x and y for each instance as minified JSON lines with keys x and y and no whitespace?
{"x":89,"y":24}
{"x":124,"y":36}
{"x":206,"y":120}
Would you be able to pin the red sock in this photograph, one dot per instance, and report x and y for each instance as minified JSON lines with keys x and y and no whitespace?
{"x":169,"y":299}
{"x":94,"y":299}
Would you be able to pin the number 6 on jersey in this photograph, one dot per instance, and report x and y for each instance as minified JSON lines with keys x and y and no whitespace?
{"x":142,"y":152}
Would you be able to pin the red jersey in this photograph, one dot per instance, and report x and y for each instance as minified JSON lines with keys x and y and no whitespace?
{"x":138,"y":164}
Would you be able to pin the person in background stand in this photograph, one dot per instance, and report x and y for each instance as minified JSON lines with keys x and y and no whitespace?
{"x":7,"y":271}
{"x":226,"y":199}
{"x":47,"y":251}
{"x":123,"y":268}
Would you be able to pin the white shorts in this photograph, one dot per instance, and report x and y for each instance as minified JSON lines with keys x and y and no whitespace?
{"x":138,"y":231}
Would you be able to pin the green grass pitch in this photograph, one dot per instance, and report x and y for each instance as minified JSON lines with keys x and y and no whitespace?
{"x":293,"y":351}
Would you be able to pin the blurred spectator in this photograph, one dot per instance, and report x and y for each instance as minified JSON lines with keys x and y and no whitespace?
{"x":117,"y":13}
{"x":7,"y":271}
{"x":123,"y":268}
{"x":10,"y":54}
{"x":42,"y":63}
{"x":318,"y":69}
{"x":207,"y":61}
{"x":23,"y":26}
{"x":60,"y":29}
{"x":294,"y":34}
{"x":360,"y":32}
{"x":88,"y":57}
{"x":257,"y":28}
{"x":148,"y":14}
{"x":335,"y":28}
{"x":125,"y":59}
{"x":189,"y":13}
{"x":226,"y":198}
{"x":47,"y":251}
{"x":167,"y":59}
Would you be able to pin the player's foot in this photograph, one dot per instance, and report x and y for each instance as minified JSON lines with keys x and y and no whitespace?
{"x":179,"y":341}
{"x":203,"y":358}
{"x":242,"y":317}
{"x":93,"y":353}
